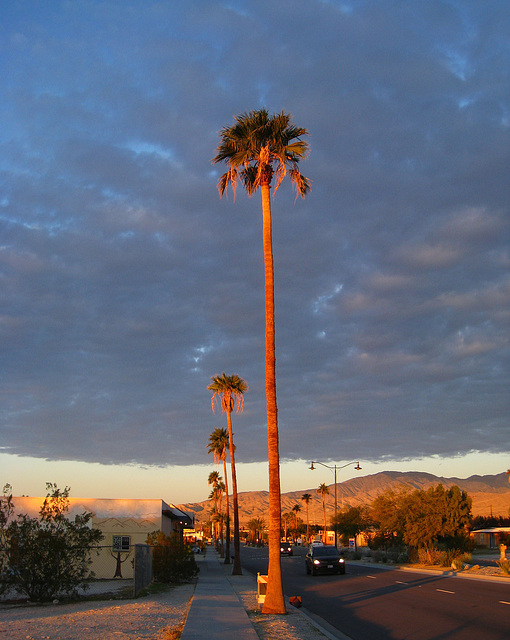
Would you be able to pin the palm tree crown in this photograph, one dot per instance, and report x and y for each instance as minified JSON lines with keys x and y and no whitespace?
{"x":230,"y":389}
{"x":259,"y":146}
{"x":218,"y":445}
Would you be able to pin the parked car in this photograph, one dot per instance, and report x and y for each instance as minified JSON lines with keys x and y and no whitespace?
{"x":325,"y":559}
{"x":286,"y":549}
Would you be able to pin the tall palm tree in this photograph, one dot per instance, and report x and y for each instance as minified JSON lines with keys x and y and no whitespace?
{"x":306,"y":497}
{"x":229,"y":390}
{"x":218,"y":445}
{"x":323,"y":491}
{"x":296,"y":509}
{"x":255,"y":149}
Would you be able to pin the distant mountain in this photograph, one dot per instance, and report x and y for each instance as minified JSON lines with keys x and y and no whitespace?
{"x":490,"y":494}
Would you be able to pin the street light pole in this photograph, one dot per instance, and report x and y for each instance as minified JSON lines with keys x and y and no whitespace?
{"x":335,"y":467}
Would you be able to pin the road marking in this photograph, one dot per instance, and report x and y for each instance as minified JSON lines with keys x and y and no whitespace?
{"x":445,"y":591}
{"x":372,"y":577}
{"x":399,"y":582}
{"x":503,"y":602}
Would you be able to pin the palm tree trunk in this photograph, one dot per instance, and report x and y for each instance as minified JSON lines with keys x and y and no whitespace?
{"x":227,"y":534}
{"x":274,"y":602}
{"x":325,"y":523}
{"x":236,"y":570}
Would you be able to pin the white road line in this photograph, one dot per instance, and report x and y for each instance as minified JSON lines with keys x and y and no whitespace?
{"x":399,"y":582}
{"x":503,"y":602}
{"x":445,"y":591}
{"x":372,"y":577}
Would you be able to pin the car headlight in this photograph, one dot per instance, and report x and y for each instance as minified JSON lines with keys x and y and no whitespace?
{"x":341,"y":560}
{"x":316,"y":561}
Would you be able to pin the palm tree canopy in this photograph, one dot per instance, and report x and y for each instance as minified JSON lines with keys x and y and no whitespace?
{"x":306,"y":497}
{"x":259,"y":145}
{"x":230,"y":389}
{"x":296,"y":508}
{"x":323,"y":490}
{"x":218,"y":444}
{"x":214,"y":477}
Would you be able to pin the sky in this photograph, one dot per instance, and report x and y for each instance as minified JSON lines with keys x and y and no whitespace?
{"x":126,"y":282}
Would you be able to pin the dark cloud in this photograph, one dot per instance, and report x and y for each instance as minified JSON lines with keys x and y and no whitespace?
{"x":126,"y":282}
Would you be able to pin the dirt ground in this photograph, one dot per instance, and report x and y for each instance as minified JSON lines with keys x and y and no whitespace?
{"x":158,"y":617}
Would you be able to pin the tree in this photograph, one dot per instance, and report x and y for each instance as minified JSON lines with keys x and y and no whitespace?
{"x":306,"y":497}
{"x":255,"y":149}
{"x":215,"y":496}
{"x":296,"y":509}
{"x":323,"y":491}
{"x":388,"y":516}
{"x":351,"y":521}
{"x":425,"y":518}
{"x":285,"y":518}
{"x":230,"y":390}
{"x":172,"y":561}
{"x":218,"y":443}
{"x":6,"y":511}
{"x":256,"y":526}
{"x":50,"y":555}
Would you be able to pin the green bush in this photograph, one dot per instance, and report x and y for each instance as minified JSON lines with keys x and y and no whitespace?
{"x":49,"y":556}
{"x":172,"y":560}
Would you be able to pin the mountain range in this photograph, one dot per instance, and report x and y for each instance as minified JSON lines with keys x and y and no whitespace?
{"x":490,"y":495}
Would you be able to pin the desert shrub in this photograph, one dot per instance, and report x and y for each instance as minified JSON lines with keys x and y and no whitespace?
{"x":172,"y":560}
{"x":504,"y":565}
{"x":429,"y":556}
{"x":50,"y":555}
{"x":460,"y":560}
{"x":6,"y":509}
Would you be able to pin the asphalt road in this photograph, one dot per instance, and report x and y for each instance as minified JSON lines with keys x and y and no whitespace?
{"x":370,"y":603}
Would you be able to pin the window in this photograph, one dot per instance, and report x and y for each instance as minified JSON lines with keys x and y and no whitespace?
{"x":121,"y":543}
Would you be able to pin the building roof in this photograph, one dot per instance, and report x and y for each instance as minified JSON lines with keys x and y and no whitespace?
{"x":106,"y":508}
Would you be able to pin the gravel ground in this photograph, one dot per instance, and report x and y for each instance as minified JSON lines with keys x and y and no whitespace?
{"x":158,"y":617}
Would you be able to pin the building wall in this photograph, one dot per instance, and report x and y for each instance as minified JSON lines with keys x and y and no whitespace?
{"x":118,"y":520}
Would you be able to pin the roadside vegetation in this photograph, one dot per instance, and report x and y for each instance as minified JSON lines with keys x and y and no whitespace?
{"x":172,"y":561}
{"x":48,"y":556}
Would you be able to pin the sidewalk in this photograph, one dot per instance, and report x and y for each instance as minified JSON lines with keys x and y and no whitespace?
{"x":224,"y":607}
{"x":216,"y":611}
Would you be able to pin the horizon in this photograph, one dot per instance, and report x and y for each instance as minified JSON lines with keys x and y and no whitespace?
{"x":126,"y":482}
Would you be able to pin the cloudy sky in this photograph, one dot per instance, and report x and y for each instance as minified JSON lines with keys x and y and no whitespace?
{"x":126,"y":282}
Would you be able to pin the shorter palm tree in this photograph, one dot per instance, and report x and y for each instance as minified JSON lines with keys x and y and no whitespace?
{"x":256,"y":526}
{"x":218,"y":445}
{"x":323,"y":491}
{"x":306,"y":497}
{"x":214,"y":478}
{"x":296,"y":509}
{"x":229,"y":390}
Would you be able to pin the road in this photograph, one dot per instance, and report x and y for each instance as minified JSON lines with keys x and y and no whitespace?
{"x":370,"y":603}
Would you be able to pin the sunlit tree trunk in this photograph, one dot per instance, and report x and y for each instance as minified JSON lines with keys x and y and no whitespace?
{"x":274,"y":601}
{"x":236,"y":570}
{"x":227,"y":525}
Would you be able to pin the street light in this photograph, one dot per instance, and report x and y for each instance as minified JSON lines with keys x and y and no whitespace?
{"x":335,"y":467}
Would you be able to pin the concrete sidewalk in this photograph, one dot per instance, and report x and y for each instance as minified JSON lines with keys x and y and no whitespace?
{"x":216,"y":611}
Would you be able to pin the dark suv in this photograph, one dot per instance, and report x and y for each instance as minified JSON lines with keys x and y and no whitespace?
{"x":324,"y":559}
{"x":285,"y":549}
